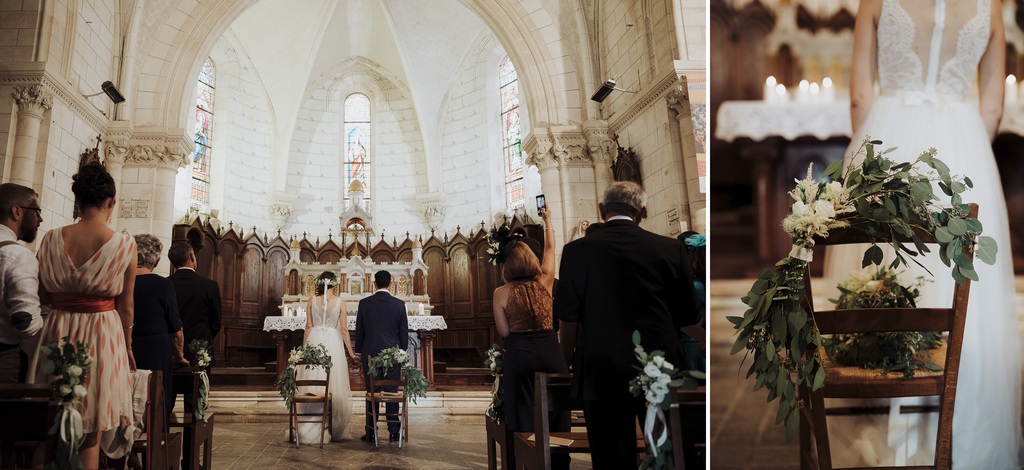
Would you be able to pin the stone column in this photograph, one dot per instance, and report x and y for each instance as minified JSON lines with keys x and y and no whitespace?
{"x":567,"y":177}
{"x":601,"y":147}
{"x":163,"y":199}
{"x":114,"y":158}
{"x":32,"y":103}
{"x":685,"y":145}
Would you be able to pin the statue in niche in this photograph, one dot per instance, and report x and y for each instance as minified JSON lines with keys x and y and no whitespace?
{"x":626,"y":166}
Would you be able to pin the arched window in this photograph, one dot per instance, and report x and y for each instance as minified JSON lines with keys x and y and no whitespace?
{"x":203,"y":136}
{"x":357,"y":142}
{"x":511,"y":141}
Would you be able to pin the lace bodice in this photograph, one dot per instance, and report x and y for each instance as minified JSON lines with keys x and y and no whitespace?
{"x":329,"y":318}
{"x":932,"y":47}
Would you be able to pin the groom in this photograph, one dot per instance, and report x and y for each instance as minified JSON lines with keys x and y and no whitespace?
{"x":380,"y":324}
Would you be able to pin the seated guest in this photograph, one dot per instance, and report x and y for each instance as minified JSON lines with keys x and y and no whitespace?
{"x":522,"y":315}
{"x":20,"y":321}
{"x":694,"y":335}
{"x":87,"y":276}
{"x":157,"y":339}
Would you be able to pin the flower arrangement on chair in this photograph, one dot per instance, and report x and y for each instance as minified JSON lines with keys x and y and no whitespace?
{"x":879,"y":197}
{"x":415,"y":382}
{"x":201,"y":349}
{"x":898,"y":351}
{"x":69,"y":363}
{"x":656,"y":379}
{"x":314,"y":355}
{"x":496,"y":363}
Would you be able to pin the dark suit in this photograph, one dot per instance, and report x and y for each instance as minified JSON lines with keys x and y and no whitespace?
{"x":199,"y":303}
{"x":620,"y":279}
{"x":381,"y":323}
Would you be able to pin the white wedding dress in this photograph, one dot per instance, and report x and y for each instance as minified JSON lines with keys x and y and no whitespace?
{"x":325,"y":331}
{"x":928,"y":55}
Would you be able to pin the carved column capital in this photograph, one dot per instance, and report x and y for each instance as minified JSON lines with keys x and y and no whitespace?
{"x":280,"y":212}
{"x":551,"y":148}
{"x":116,"y":152}
{"x":432,"y":208}
{"x":32,"y":99}
{"x":600,"y":142}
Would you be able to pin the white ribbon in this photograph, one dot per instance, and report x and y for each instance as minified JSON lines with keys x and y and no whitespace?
{"x":920,"y":98}
{"x":654,"y":413}
{"x":202,"y":403}
{"x":69,"y":429}
{"x":802,"y":253}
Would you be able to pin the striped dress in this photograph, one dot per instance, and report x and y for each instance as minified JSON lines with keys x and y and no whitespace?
{"x":109,"y":384}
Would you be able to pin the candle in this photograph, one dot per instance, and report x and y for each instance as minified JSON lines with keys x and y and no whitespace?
{"x":287,"y":312}
{"x":420,"y":308}
{"x":827,"y":90}
{"x":769,"y":89}
{"x":780,"y":93}
{"x":815,"y":90}
{"x":803,"y":94}
{"x":1011,"y":89}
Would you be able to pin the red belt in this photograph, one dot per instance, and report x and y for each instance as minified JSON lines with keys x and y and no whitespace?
{"x":82,"y":303}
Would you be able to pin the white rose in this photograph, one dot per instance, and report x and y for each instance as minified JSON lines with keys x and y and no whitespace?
{"x":652,"y":370}
{"x":654,"y":397}
{"x":872,"y":286}
{"x":833,"y":191}
{"x":668,"y":365}
{"x":659,"y":388}
{"x":658,"y":360}
{"x":824,"y":209}
{"x":74,"y":371}
{"x":800,"y":209}
{"x":80,"y":391}
{"x":664,"y":379}
{"x":65,"y":390}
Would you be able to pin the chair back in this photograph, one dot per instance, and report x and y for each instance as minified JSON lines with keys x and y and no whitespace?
{"x":875,"y":320}
{"x":551,"y":392}
{"x":374,"y":383}
{"x":29,"y":406}
{"x":686,"y":417}
{"x":314,"y":383}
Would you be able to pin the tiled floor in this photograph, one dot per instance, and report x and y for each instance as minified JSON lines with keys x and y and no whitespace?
{"x":448,"y":443}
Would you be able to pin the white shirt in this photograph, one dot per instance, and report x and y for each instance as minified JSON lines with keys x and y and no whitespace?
{"x":619,"y":217}
{"x":19,"y":280}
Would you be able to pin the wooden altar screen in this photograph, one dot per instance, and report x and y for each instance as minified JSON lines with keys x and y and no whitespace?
{"x":249,"y":267}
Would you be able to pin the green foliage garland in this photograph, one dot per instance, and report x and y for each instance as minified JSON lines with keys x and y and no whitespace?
{"x":201,"y":349}
{"x":879,"y":197}
{"x":496,"y":363}
{"x":315,"y":355}
{"x":415,"y":382}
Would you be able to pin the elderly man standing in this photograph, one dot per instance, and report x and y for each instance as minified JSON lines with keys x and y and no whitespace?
{"x":20,"y":320}
{"x":617,"y":280}
{"x":198,"y":298}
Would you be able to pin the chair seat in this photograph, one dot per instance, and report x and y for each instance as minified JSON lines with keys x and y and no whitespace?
{"x":580,"y":442}
{"x":385,"y":396}
{"x":310,"y":398}
{"x":858,"y":382}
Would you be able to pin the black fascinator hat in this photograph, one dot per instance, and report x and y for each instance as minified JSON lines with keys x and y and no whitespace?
{"x":501,"y":241}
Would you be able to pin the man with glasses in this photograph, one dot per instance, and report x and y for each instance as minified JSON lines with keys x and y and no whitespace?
{"x":20,"y":320}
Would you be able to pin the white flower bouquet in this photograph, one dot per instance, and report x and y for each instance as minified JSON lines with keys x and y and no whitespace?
{"x":69,"y":364}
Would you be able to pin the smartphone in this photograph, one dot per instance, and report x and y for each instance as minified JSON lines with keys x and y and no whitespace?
{"x":540,"y":204}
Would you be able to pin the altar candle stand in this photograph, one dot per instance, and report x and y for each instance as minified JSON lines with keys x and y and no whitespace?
{"x":769,"y":89}
{"x":815,"y":92}
{"x":1011,"y":89}
{"x":827,"y":90}
{"x":803,"y":94}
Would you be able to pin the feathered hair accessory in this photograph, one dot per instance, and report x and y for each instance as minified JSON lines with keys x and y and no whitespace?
{"x":695,"y":241}
{"x":501,"y":241}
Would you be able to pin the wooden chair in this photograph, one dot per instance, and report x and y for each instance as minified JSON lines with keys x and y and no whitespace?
{"x":496,"y":443}
{"x":324,"y":398}
{"x":376,"y":395}
{"x":686,"y":419}
{"x":856,"y":382}
{"x":25,"y":445}
{"x":160,"y":449}
{"x":533,"y":450}
{"x":198,"y":435}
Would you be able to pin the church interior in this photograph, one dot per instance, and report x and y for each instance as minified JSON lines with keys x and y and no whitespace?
{"x":278,"y":137}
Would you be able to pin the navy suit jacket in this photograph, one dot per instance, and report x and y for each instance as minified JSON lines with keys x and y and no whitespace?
{"x":620,"y":279}
{"x":381,"y":323}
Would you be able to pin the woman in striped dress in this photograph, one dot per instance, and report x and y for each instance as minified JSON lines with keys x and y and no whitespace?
{"x":87,"y":277}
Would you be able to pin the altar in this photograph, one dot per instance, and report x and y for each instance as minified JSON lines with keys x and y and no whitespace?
{"x":355,"y":282}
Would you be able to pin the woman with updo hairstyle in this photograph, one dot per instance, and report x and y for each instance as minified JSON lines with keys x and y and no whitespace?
{"x":87,"y":278}
{"x":327,"y":324}
{"x":157,"y":340}
{"x":523,"y":316}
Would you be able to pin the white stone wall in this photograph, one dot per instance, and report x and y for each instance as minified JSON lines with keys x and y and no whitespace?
{"x":95,"y":50}
{"x":63,"y":137}
{"x":17,"y":30}
{"x":660,"y":166}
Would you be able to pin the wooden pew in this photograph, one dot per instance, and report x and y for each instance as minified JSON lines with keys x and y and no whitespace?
{"x":26,"y":444}
{"x":197,"y":447}
{"x":534,"y":450}
{"x":160,"y":449}
{"x":686,"y":420}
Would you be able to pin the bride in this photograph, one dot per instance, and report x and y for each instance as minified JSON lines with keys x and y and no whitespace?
{"x":926,"y":55}
{"x":326,"y":324}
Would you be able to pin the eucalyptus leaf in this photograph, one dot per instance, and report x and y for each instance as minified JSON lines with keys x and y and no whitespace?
{"x":986,"y":250}
{"x":957,"y":226}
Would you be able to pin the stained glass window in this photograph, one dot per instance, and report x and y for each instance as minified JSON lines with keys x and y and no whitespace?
{"x":203,"y":136}
{"x":357,"y":142}
{"x":511,"y":141}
